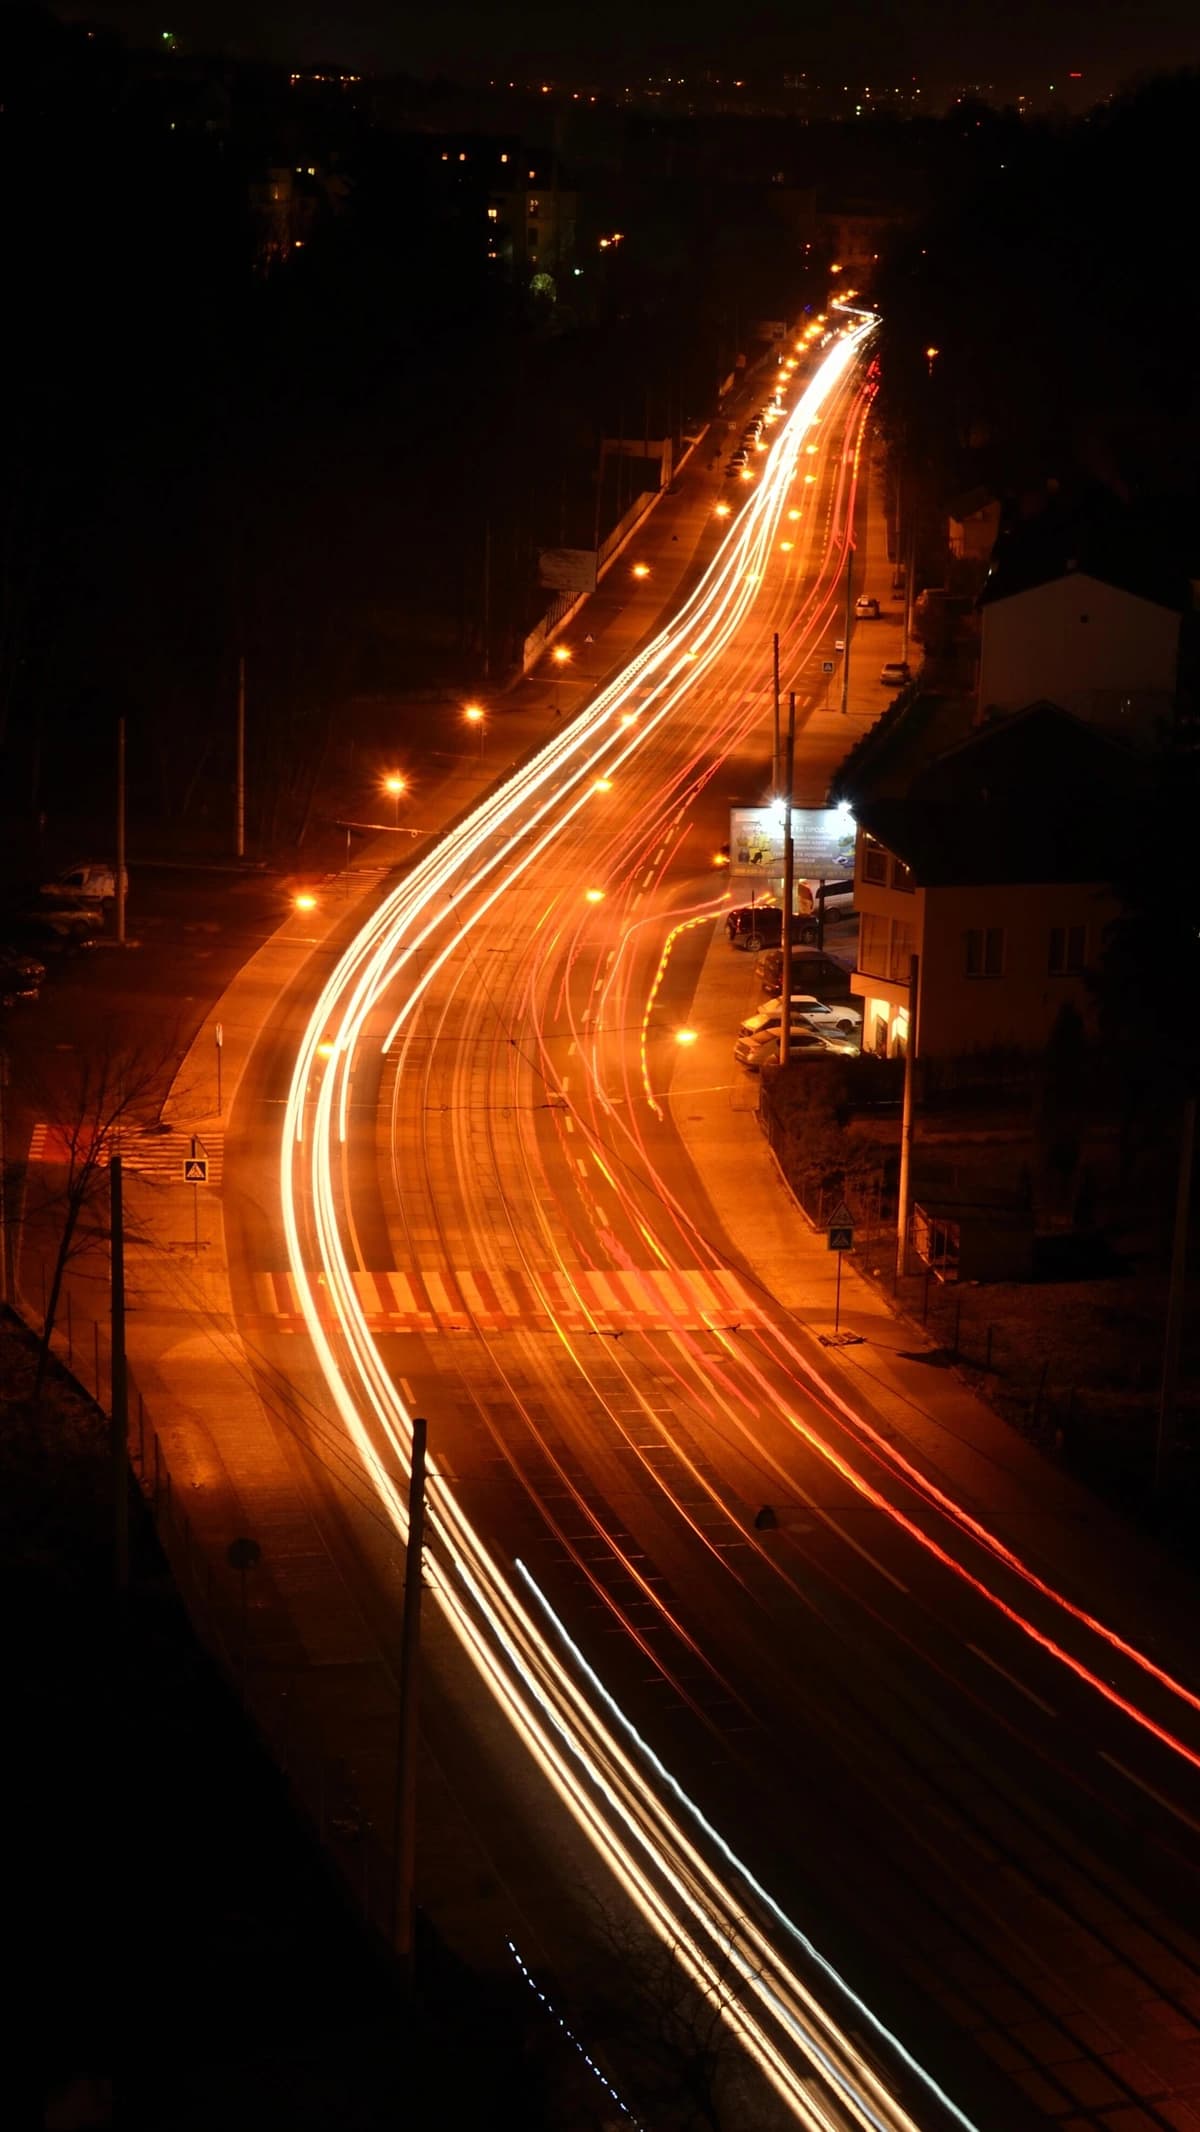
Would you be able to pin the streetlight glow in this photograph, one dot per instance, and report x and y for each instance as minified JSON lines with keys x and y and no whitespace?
{"x":685,"y":1036}
{"x":560,"y":655}
{"x":641,"y":570}
{"x":595,"y":895}
{"x":305,"y":902}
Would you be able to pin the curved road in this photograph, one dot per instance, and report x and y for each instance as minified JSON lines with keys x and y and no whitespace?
{"x":870,"y":1717}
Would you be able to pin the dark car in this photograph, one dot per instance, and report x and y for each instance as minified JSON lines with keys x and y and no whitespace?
{"x":51,"y":931}
{"x":20,"y":975}
{"x":754,"y":925}
{"x":811,"y":972}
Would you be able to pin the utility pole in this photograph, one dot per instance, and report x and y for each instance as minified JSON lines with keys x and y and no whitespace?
{"x":487,"y":601}
{"x":775,"y":764}
{"x":789,"y":883}
{"x":906,"y":1118}
{"x":849,"y":621}
{"x":119,"y":1400}
{"x":909,"y":570}
{"x":121,"y":832}
{"x":406,"y":1772}
{"x":1174,"y":1331}
{"x":240,"y":804}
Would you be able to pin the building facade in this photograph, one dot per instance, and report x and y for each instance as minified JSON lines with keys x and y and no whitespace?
{"x":1108,"y":655}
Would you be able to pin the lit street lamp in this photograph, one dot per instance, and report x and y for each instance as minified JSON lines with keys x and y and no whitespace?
{"x":561,"y":657}
{"x":395,"y":784}
{"x":475,"y":715}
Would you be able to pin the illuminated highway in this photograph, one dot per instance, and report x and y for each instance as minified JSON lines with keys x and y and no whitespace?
{"x":483,"y":1197}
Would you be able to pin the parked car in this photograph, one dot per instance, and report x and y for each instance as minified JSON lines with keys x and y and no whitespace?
{"x":758,"y":925}
{"x":20,"y":976}
{"x":755,"y":1052}
{"x":59,"y":931}
{"x":844,"y":1020}
{"x":866,"y":608}
{"x":812,"y":971}
{"x":91,"y":881}
{"x":895,"y":673}
{"x":835,"y":899}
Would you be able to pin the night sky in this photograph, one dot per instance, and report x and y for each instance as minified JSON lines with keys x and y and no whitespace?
{"x":1024,"y":43}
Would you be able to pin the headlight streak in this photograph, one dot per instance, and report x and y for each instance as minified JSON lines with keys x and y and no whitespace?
{"x":361,"y":969}
{"x":350,"y":997}
{"x":646,"y":1752}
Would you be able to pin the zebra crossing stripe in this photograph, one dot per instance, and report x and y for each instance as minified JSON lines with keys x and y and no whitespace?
{"x":623,"y":1299}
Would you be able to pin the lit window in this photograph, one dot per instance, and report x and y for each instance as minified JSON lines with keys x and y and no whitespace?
{"x":902,"y":875}
{"x":983,"y":951}
{"x":535,"y":206}
{"x":493,"y":214}
{"x":1068,"y":950}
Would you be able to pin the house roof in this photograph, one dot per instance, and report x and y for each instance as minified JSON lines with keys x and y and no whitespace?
{"x":1037,"y":797}
{"x":970,"y":501}
{"x":890,"y":753}
{"x":1101,"y":539}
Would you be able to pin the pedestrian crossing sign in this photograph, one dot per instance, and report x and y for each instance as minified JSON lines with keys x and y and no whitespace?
{"x":195,"y":1169}
{"x":841,"y":1229}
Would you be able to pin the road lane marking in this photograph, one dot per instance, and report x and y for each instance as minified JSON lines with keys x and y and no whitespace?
{"x":407,"y":1390}
{"x":1149,"y":1790}
{"x":1012,"y":1680}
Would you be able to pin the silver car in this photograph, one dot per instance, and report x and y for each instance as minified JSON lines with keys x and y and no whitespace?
{"x":837,"y":1023}
{"x":755,"y":1052}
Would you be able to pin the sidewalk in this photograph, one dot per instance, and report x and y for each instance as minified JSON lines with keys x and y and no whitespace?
{"x":1049,"y":1518}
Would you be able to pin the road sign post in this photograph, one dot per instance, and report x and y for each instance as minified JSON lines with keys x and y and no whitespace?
{"x":840,"y":1238}
{"x":219,"y":1034}
{"x":195,"y":1173}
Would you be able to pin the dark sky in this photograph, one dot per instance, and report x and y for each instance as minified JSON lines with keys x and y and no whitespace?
{"x":1001,"y":40}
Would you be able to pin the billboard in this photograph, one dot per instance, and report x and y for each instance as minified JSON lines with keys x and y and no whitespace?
{"x":755,"y":843}
{"x":822,"y":843}
{"x":567,"y":569}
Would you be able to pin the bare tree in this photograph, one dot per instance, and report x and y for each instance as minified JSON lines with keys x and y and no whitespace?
{"x":115,"y":1091}
{"x":636,"y":2018}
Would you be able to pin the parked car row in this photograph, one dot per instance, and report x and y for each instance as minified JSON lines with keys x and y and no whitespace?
{"x":64,"y":916}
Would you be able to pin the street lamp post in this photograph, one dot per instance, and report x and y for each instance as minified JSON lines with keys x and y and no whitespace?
{"x":474,"y":715}
{"x":395,"y":784}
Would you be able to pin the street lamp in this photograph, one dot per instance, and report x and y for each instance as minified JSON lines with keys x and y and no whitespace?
{"x":561,"y":657}
{"x":395,"y":784}
{"x":474,"y":715}
{"x":305,"y":902}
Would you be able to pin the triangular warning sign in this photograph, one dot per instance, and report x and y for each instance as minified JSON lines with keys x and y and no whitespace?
{"x":195,"y":1170}
{"x":841,"y":1217}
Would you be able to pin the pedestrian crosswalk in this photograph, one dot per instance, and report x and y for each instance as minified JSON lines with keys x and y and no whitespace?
{"x":584,"y":1300}
{"x":160,"y":1156}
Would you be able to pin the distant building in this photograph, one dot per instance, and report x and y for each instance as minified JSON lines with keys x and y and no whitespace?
{"x":532,"y":232}
{"x":995,"y":867}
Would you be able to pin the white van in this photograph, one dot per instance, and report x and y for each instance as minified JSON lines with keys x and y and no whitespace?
{"x":94,"y":881}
